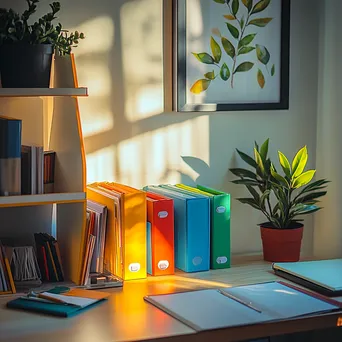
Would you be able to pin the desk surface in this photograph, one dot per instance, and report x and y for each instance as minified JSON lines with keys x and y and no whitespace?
{"x":126,"y":316}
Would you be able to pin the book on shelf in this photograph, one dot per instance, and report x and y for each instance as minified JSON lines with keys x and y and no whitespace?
{"x":7,"y":285}
{"x":10,"y":156}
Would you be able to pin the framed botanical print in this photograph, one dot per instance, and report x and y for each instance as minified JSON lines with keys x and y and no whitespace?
{"x":231,"y":55}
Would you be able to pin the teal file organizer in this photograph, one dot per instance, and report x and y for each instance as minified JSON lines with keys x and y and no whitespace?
{"x":192,"y":230}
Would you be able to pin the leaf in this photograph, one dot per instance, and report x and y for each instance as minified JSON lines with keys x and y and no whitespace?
{"x":260,"y":6}
{"x":246,"y":49}
{"x":256,"y":146}
{"x":249,"y":201}
{"x":299,"y":162}
{"x":245,"y":66}
{"x":303,"y":179}
{"x":254,"y":193}
{"x":229,"y":17}
{"x":285,"y":164}
{"x":235,"y":6}
{"x":310,"y":197}
{"x":306,"y":209}
{"x":243,"y":173}
{"x":216,"y":32}
{"x":216,"y":50}
{"x":210,"y":75}
{"x":264,"y":149}
{"x":233,"y":30}
{"x":220,"y":1}
{"x":228,"y":47}
{"x":225,"y":72}
{"x":246,"y":40}
{"x":260,"y":22}
{"x":247,"y":159}
{"x":246,"y":182}
{"x":204,"y":57}
{"x":273,"y":70}
{"x":248,"y":4}
{"x":242,"y":22}
{"x":259,"y":161}
{"x":200,"y":86}
{"x":261,"y":79}
{"x":317,"y":185}
{"x":262,"y":54}
{"x":278,"y":177}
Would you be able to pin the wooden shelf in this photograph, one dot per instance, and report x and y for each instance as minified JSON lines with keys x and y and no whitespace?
{"x":30,"y":200}
{"x":38,"y":92}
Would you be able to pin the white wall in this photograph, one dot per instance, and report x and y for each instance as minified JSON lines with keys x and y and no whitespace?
{"x":128,"y":137}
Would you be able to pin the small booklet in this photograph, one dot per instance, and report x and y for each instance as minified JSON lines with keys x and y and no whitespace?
{"x":65,"y":304}
{"x":241,"y":305}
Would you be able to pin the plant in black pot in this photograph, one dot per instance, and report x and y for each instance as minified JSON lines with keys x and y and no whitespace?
{"x":26,"y":50}
{"x":282,"y":198}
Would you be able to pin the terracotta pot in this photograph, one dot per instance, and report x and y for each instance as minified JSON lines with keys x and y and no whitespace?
{"x":281,"y":245}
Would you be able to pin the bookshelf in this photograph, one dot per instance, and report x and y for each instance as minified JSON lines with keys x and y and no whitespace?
{"x":50,"y":118}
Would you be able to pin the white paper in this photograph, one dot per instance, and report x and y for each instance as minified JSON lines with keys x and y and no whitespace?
{"x":79,"y":301}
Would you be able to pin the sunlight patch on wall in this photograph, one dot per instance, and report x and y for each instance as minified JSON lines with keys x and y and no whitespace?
{"x":155,"y":157}
{"x":142,"y":55}
{"x":101,"y":165}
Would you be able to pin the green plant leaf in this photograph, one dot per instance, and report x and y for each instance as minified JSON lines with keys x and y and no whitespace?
{"x":249,"y":201}
{"x":306,"y":209}
{"x":246,"y":40}
{"x":246,"y":182}
{"x":264,"y":197}
{"x":260,"y":6}
{"x":317,"y":185}
{"x":210,"y":75}
{"x":235,"y":6}
{"x":228,"y":47}
{"x":242,"y":22}
{"x":285,"y":164}
{"x":264,"y":149}
{"x":273,"y":70}
{"x":278,"y":177}
{"x":247,"y":159}
{"x":261,"y":79}
{"x":229,"y":17}
{"x":243,"y":173}
{"x":259,"y":161}
{"x":220,"y":1}
{"x":245,"y":66}
{"x":216,"y":50}
{"x":262,"y":54}
{"x":260,"y":22}
{"x":299,"y":162}
{"x":248,"y":4}
{"x":246,"y":49}
{"x":199,"y":86}
{"x":256,"y":146}
{"x":233,"y":30}
{"x":224,"y":72}
{"x":204,"y":57}
{"x":254,"y":193}
{"x":311,"y":197}
{"x":303,"y":179}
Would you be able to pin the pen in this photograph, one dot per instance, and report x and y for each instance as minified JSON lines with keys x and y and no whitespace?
{"x":46,"y":297}
{"x":239,"y":300}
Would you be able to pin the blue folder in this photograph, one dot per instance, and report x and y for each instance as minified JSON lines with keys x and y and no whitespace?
{"x":192,"y":229}
{"x":149,"y":247}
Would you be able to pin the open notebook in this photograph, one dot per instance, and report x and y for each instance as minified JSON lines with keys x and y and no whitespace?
{"x":323,"y":276}
{"x":242,"y":305}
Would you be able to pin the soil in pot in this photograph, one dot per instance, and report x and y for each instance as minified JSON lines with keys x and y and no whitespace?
{"x":25,"y":65}
{"x":281,"y":245}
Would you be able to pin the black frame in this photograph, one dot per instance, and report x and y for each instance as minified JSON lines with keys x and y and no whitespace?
{"x":179,"y":66}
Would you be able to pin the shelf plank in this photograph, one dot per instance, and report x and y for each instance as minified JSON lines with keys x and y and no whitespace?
{"x":38,"y":92}
{"x":33,"y":200}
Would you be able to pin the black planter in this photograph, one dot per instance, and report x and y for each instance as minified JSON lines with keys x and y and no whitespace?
{"x":25,"y":65}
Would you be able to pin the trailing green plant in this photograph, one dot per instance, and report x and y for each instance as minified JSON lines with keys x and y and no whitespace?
{"x":280,"y":197}
{"x":241,"y":16}
{"x":15,"y":29}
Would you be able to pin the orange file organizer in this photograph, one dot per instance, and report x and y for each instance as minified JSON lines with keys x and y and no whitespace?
{"x":125,"y":249}
{"x":160,"y":235}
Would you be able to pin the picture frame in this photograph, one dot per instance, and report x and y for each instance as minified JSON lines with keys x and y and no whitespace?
{"x":228,"y":55}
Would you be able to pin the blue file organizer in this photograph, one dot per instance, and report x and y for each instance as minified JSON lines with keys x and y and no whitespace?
{"x":192,"y":229}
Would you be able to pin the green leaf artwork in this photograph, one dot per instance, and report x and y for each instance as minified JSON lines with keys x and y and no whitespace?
{"x":231,"y":53}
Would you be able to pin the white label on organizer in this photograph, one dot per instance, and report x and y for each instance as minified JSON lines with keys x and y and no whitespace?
{"x":222,"y":260}
{"x":163,"y":265}
{"x":163,"y":214}
{"x":135,"y":267}
{"x":221,"y":209}
{"x":197,"y":261}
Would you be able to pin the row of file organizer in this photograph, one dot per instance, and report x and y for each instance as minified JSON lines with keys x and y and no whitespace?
{"x":163,"y":227}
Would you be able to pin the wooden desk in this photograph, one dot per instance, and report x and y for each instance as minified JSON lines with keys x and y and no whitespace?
{"x":126,"y":317}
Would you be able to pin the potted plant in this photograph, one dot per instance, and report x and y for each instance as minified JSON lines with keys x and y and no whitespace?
{"x":26,"y":50}
{"x":282,"y":198}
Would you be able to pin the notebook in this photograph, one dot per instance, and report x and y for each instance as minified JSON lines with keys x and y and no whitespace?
{"x":323,"y":276}
{"x":242,"y":305}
